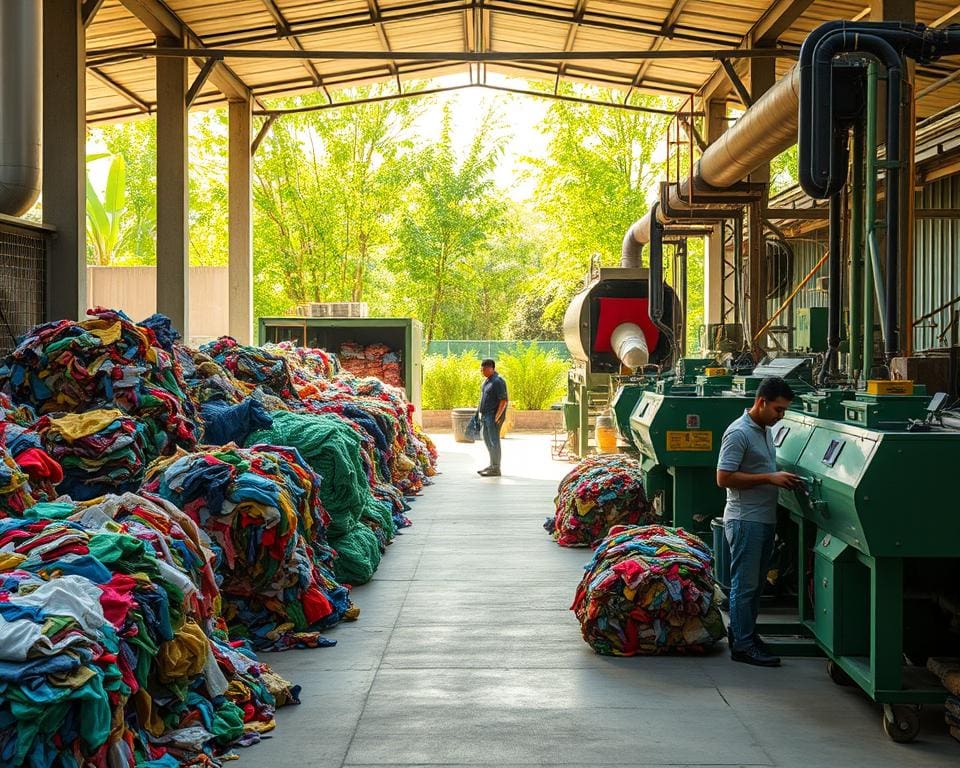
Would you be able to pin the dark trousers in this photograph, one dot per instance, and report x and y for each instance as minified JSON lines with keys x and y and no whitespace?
{"x":751,"y":547}
{"x":491,"y":437}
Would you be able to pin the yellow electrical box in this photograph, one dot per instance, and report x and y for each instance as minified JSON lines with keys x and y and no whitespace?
{"x":714,"y":371}
{"x":884,"y":387}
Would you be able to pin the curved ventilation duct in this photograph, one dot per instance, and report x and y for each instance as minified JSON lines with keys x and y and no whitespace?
{"x":20,"y":104}
{"x":763,"y":132}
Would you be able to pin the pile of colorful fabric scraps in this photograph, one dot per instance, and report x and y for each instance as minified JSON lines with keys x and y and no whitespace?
{"x":23,"y":445}
{"x":948,"y":670}
{"x":103,"y":362}
{"x":101,"y":451}
{"x":261,"y":508}
{"x":253,"y":365}
{"x":318,"y":363}
{"x":599,"y":493}
{"x":649,"y":590}
{"x":376,"y":360}
{"x":111,"y":653}
{"x":360,"y":525}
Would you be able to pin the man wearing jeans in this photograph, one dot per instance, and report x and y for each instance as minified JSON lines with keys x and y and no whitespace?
{"x":493,"y":408}
{"x":747,"y":468}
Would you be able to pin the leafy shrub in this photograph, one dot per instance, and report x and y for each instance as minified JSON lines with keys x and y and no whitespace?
{"x":535,"y":379}
{"x":451,"y":381}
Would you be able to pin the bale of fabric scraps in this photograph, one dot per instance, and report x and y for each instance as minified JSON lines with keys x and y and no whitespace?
{"x":102,"y":362}
{"x":261,"y":509}
{"x":649,"y":590}
{"x":254,"y":365}
{"x":332,"y":449}
{"x":113,"y":654}
{"x":101,"y":451}
{"x":599,"y":493}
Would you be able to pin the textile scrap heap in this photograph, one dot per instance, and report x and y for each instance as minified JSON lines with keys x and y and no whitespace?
{"x":948,"y":670}
{"x":599,"y":493}
{"x":253,"y":365}
{"x":101,"y":451}
{"x":376,"y":360}
{"x":102,"y":362}
{"x":261,"y":509}
{"x":360,"y":525}
{"x":112,"y":652}
{"x":649,"y":590}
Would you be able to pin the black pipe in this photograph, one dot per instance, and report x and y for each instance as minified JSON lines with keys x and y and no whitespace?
{"x":655,"y":289}
{"x":835,"y":266}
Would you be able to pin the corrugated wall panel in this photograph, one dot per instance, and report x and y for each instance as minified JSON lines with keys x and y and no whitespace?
{"x":936,"y":273}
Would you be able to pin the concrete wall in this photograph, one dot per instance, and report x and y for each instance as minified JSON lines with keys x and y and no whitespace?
{"x":133,"y":289}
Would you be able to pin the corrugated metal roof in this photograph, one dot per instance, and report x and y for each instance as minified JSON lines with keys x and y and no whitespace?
{"x":121,"y":86}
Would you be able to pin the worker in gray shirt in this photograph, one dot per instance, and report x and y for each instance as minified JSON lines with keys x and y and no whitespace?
{"x":492,"y":411}
{"x":747,"y":468}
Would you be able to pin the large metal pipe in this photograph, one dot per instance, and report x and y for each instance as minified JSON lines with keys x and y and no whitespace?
{"x":630,"y":345}
{"x":20,"y":104}
{"x":763,"y":132}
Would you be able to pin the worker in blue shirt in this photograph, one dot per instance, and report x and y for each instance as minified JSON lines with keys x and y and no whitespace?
{"x":747,"y":468}
{"x":492,"y":410}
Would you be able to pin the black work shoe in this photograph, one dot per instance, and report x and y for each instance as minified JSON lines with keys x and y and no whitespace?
{"x":485,"y":469}
{"x":492,"y":472}
{"x":760,"y":645}
{"x":756,"y":657}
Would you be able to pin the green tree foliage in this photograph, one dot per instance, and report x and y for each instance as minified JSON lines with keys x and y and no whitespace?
{"x":327,"y":185}
{"x":451,"y":381}
{"x":452,"y":213}
{"x":535,"y":378}
{"x":105,"y":212}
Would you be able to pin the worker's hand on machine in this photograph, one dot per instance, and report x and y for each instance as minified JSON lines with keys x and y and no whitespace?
{"x":786,"y":480}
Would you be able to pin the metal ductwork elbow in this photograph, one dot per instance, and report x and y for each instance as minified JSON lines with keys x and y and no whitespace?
{"x":21,"y":24}
{"x":630,"y":345}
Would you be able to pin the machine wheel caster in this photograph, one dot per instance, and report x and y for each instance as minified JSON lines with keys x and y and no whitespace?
{"x":837,"y":674}
{"x":901,"y":723}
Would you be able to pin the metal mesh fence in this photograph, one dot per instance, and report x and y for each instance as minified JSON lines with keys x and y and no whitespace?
{"x":23,"y":278}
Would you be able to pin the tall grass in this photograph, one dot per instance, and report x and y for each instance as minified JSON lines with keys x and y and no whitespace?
{"x":451,"y":381}
{"x":535,"y":378}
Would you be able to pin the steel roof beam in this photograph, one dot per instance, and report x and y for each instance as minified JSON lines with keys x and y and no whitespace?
{"x":578,"y":12}
{"x":775,"y":20}
{"x":666,"y":31}
{"x":89,"y":10}
{"x":283,"y":26}
{"x":162,"y":22}
{"x":121,"y":90}
{"x":377,"y":17}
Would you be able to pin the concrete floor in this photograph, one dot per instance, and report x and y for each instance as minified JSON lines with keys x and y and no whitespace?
{"x":466,"y":654}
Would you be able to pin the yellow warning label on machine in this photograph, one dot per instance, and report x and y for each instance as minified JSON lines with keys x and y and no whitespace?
{"x":714,"y":371}
{"x":690,"y":440}
{"x":883,"y":387}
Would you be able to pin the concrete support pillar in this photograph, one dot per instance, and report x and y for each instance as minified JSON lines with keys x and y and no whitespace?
{"x":715,"y":123}
{"x":240,"y":269}
{"x":173,"y":288}
{"x":64,"y":157}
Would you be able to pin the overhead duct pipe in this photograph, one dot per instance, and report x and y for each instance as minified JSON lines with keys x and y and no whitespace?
{"x":20,"y":104}
{"x":763,"y":132}
{"x":822,"y":156}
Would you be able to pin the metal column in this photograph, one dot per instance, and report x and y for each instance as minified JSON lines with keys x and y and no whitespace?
{"x":173,"y":289}
{"x":64,"y":157}
{"x":240,"y":265}
{"x":713,"y":252}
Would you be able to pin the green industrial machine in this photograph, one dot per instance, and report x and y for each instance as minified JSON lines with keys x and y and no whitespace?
{"x":811,"y":331}
{"x":796,"y":371}
{"x":876,"y":515}
{"x":678,"y":437}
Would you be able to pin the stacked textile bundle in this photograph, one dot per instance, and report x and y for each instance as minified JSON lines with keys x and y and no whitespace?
{"x":948,"y":670}
{"x":260,"y":506}
{"x":649,"y":590}
{"x":253,"y":365}
{"x":105,"y":361}
{"x":101,"y":451}
{"x":599,"y":493}
{"x":112,"y":654}
{"x":376,"y":360}
{"x":318,"y":363}
{"x":332,"y":448}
